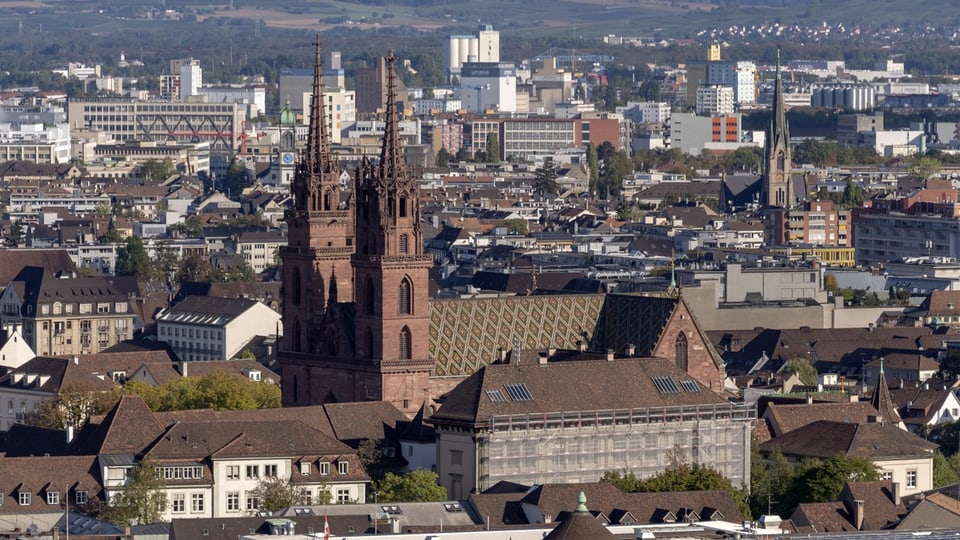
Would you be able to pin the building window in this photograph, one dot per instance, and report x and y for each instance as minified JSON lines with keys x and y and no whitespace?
{"x":343,"y":467}
{"x":24,"y":498}
{"x":456,"y":457}
{"x":81,"y":496}
{"x":304,"y":468}
{"x":681,"y":351}
{"x":233,"y":472}
{"x":253,"y":472}
{"x":53,"y":497}
{"x":911,"y":479}
{"x":371,"y":297}
{"x":178,"y":503}
{"x":270,"y":471}
{"x":403,"y":298}
{"x":404,"y":244}
{"x":253,"y":503}
{"x":406,"y":341}
{"x":233,"y":501}
{"x":343,"y":496}
{"x":324,"y":468}
{"x":196,"y":502}
{"x":295,"y":287}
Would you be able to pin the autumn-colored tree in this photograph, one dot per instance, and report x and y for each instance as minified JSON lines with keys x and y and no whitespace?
{"x":73,"y":406}
{"x":219,"y":390}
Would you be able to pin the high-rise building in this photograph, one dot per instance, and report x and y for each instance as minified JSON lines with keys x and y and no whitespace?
{"x":462,"y":49}
{"x":191,"y":78}
{"x":715,"y":100}
{"x":372,"y":88}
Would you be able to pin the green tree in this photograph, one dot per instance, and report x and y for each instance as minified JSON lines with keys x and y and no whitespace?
{"x":371,"y":457}
{"x":444,"y":157}
{"x":195,"y":267}
{"x":142,"y":498}
{"x":593,"y":166}
{"x":16,"y":237}
{"x":492,"y":154}
{"x":515,"y":226}
{"x":545,"y":181}
{"x":72,"y":406}
{"x":132,"y":260}
{"x":824,"y":482}
{"x":830,"y":283}
{"x":188,"y":228}
{"x":155,"y":169}
{"x":219,"y":390}
{"x":784,"y":485}
{"x":944,"y":473}
{"x":802,"y":368}
{"x":240,"y":271}
{"x":746,"y":159}
{"x":236,"y":178}
{"x":617,"y":167}
{"x":852,"y":194}
{"x":275,"y":493}
{"x":415,"y":486}
{"x":924,"y":167}
{"x":679,"y":476}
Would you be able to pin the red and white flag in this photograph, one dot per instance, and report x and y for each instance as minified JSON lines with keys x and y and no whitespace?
{"x":326,"y":528}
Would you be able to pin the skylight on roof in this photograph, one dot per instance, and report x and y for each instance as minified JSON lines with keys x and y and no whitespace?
{"x":690,"y":386}
{"x":665,"y":385}
{"x":496,"y":396}
{"x":518,"y":391}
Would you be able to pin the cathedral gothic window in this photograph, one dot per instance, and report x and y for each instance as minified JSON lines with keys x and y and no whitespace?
{"x":404,"y":297}
{"x":681,"y":351}
{"x":406,"y":342}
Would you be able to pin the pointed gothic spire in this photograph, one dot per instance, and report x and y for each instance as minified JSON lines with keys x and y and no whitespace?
{"x":392,"y":167}
{"x":779,"y":111}
{"x":318,"y":159}
{"x":882,"y":401}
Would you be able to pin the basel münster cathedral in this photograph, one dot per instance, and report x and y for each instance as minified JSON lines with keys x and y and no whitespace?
{"x":358,"y":322}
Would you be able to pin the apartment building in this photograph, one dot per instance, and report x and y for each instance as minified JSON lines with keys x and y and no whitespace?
{"x":66,"y":316}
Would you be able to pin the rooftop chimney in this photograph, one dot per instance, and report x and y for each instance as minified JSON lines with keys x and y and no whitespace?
{"x":858,"y":515}
{"x":631,"y":350}
{"x":609,"y":355}
{"x":896,"y":493}
{"x":543,"y":358}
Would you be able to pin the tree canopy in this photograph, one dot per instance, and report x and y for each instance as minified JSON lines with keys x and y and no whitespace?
{"x":141,"y":499}
{"x":72,"y":406}
{"x":679,"y":476}
{"x":415,"y":486}
{"x":219,"y":390}
{"x":803,"y":369}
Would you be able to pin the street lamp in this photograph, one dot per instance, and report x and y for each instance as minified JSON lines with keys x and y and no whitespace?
{"x":376,"y":514}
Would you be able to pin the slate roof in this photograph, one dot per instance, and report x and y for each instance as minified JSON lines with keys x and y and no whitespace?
{"x":364,"y":420}
{"x":825,"y":439}
{"x":832,"y":349}
{"x":784,"y":418}
{"x":822,"y":518}
{"x":880,"y":508}
{"x":39,"y":286}
{"x":477,"y":398}
{"x":207,"y":310}
{"x":12,"y":261}
{"x":50,"y":375}
{"x":579,"y":525}
{"x":37,"y":475}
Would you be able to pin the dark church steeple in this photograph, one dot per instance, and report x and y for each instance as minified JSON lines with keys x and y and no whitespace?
{"x":320,"y":238}
{"x":777,"y":188}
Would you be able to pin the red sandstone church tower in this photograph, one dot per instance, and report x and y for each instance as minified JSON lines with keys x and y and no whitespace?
{"x":316,"y":259}
{"x":392,"y":318}
{"x":371,"y":341}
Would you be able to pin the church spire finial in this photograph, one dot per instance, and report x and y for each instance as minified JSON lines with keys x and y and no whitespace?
{"x":318,"y":140}
{"x":391,"y":155}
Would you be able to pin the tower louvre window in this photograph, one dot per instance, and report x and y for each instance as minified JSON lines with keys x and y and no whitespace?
{"x":406,"y":342}
{"x":404,"y":244}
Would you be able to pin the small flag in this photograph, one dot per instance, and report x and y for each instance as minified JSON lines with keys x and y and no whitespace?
{"x":326,"y":528}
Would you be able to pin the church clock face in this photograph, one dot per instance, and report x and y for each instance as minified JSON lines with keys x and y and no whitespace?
{"x":287,"y":158}
{"x":779,"y":177}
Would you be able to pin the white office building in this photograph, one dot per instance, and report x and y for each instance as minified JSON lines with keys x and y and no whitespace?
{"x":715,"y":100}
{"x":488,"y":85}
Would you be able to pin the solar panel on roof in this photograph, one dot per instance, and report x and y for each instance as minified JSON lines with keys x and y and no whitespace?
{"x":665,"y":385}
{"x":690,"y":386}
